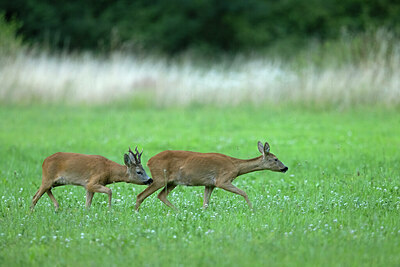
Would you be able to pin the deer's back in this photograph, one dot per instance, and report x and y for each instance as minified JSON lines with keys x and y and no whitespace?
{"x":72,"y":167}
{"x":178,"y":157}
{"x":190,"y":168}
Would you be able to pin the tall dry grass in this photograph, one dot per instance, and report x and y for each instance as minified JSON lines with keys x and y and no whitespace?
{"x":354,"y":71}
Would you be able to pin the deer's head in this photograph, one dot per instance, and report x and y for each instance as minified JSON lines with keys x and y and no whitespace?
{"x":269,"y":160}
{"x":137,"y":174}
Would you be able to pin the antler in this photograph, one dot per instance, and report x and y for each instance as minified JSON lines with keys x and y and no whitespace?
{"x":133,"y":156}
{"x":139,"y":155}
{"x":136,"y":157}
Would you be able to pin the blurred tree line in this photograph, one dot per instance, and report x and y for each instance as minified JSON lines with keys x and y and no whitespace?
{"x":206,"y":26}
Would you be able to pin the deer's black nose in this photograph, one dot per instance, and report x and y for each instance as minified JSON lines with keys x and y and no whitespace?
{"x":284,"y":169}
{"x":149,"y":181}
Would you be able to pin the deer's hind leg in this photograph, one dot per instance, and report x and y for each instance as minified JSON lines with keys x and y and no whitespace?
{"x":164,"y":193}
{"x":35,"y":199}
{"x":147,"y":192}
{"x":38,"y":195}
{"x":51,"y":196}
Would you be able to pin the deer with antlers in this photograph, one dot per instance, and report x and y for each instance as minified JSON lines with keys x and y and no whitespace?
{"x":171,"y":168}
{"x":93,"y":172}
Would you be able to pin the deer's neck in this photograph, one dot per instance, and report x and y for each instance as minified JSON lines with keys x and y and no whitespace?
{"x":119,"y":174}
{"x":249,"y":165}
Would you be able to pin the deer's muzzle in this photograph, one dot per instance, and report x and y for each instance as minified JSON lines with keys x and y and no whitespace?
{"x":149,"y":181}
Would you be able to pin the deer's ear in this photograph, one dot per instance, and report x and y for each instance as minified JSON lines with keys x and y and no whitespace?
{"x":266,"y":148}
{"x":127,"y":160}
{"x":260,"y":147}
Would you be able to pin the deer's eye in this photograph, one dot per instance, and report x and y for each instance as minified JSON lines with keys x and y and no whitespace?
{"x":138,"y":172}
{"x":276,"y":159}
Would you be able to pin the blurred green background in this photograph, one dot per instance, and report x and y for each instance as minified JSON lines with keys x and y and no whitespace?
{"x":207,"y":26}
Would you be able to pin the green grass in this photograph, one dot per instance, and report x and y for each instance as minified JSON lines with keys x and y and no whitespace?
{"x":337,"y":205}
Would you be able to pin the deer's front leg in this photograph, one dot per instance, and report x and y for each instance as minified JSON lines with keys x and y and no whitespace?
{"x":231,"y":188}
{"x":207,"y":194}
{"x":89,"y":197}
{"x":100,"y":189}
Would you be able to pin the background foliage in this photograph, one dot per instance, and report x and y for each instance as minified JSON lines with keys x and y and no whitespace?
{"x":207,"y":26}
{"x":10,"y":43}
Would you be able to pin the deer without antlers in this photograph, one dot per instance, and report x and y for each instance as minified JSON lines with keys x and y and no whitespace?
{"x":171,"y":168}
{"x":90,"y":171}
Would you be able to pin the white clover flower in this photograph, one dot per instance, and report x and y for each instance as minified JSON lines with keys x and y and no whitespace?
{"x":209,"y":231}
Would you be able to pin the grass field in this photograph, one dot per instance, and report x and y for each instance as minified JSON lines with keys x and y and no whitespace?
{"x":338,"y":204}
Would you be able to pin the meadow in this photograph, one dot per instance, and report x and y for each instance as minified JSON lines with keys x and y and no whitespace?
{"x":338,"y":205}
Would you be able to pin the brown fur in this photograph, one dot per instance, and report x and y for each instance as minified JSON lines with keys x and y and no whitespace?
{"x":92,"y":172}
{"x":171,"y":168}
